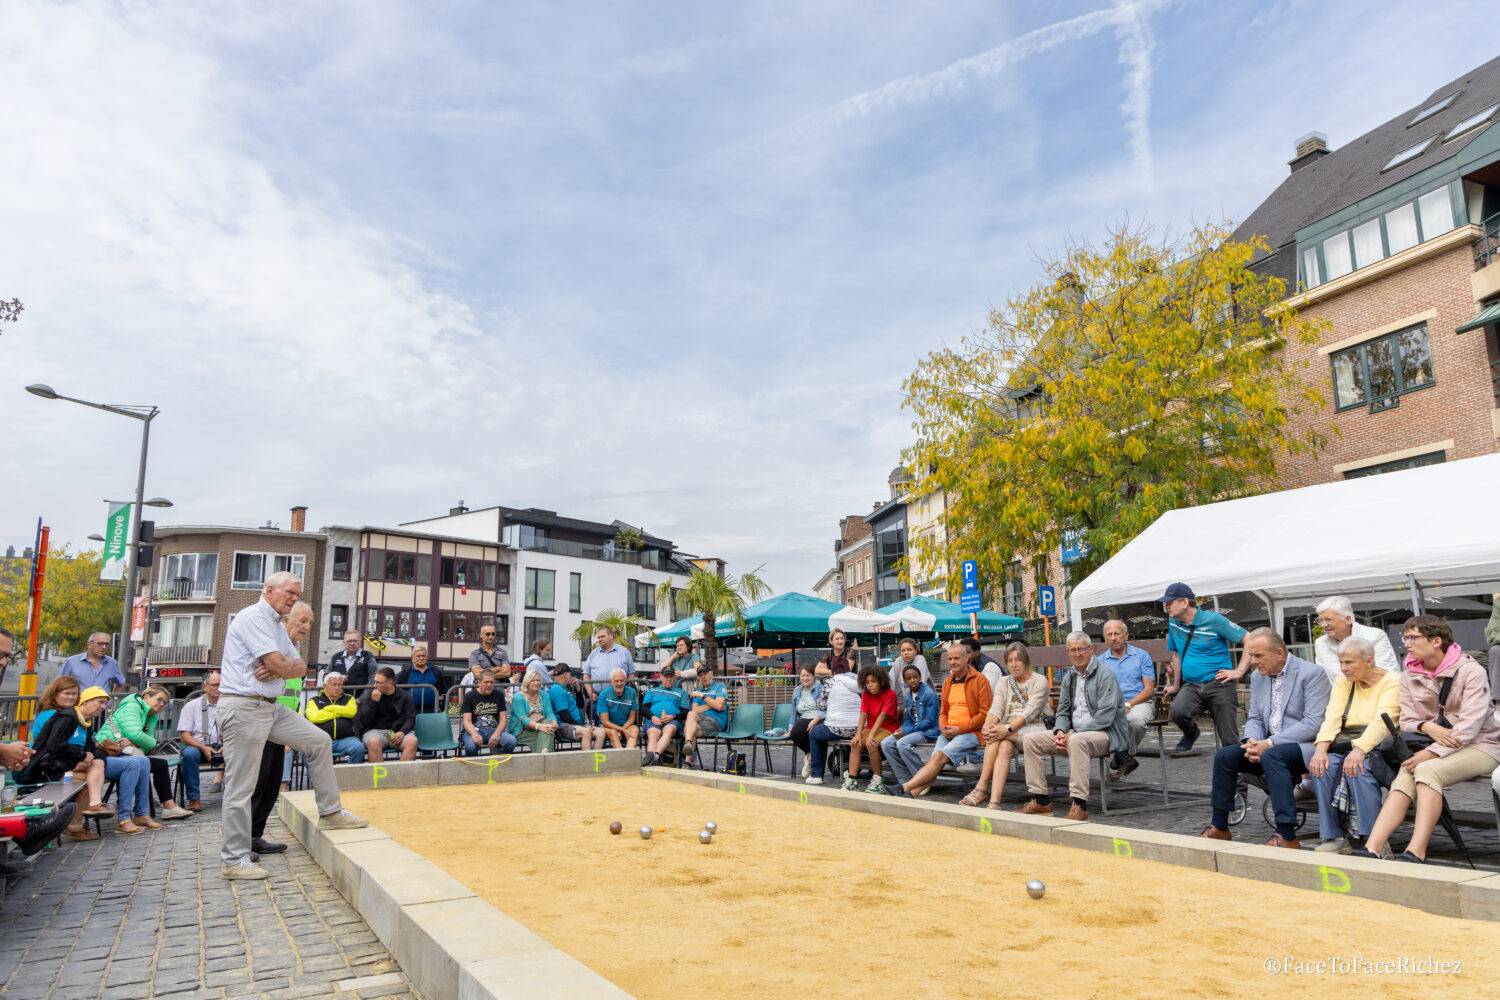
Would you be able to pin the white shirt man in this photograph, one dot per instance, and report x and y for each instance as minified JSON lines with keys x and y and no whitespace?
{"x":258,"y":658}
{"x":1336,"y":615}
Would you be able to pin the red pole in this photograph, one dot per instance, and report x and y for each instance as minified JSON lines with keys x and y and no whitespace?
{"x":38,"y":580}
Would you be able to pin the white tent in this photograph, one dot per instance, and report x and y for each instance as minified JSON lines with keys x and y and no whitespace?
{"x":1383,"y":537}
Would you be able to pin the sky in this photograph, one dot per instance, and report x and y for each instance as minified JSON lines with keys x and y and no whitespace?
{"x":661,"y":263}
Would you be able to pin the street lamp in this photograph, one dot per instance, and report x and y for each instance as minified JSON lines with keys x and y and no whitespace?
{"x":145,"y":414}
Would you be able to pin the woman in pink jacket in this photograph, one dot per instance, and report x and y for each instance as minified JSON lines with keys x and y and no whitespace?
{"x":1465,"y":736}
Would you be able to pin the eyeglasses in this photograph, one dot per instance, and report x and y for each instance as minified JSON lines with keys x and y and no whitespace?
{"x":1409,"y":637}
{"x":5,"y":655}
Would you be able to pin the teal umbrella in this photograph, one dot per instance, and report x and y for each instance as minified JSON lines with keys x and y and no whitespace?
{"x":785,"y":620}
{"x":951,"y":620}
{"x":669,"y":634}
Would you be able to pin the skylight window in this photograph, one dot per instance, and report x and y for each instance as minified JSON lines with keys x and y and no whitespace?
{"x":1472,"y":122}
{"x":1409,"y":153}
{"x":1434,"y":108}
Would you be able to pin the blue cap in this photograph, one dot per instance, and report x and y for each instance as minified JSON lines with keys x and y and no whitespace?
{"x":1175,"y":591}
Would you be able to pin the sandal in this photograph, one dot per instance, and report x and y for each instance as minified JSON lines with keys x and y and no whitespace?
{"x":126,"y":828}
{"x":920,"y":792}
{"x":975,"y":798}
{"x":994,"y":805}
{"x":98,"y":809}
{"x":82,"y":833}
{"x":146,"y":822}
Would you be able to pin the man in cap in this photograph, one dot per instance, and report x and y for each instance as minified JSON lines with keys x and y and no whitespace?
{"x":1201,"y":675}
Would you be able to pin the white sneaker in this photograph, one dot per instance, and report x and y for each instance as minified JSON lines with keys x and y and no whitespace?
{"x":850,"y":785}
{"x":342,"y":820}
{"x":876,"y":785}
{"x":814,"y":781}
{"x":174,"y":813}
{"x":1338,"y":845}
{"x":806,"y":767}
{"x":247,"y":870}
{"x":969,"y":768}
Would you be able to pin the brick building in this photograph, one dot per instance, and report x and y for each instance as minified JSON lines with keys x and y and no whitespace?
{"x":854,"y":555}
{"x":1391,"y":239}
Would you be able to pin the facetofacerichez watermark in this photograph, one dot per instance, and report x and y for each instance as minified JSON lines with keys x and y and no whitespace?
{"x":1356,"y":965}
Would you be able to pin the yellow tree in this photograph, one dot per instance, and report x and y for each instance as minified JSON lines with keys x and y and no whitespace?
{"x":1137,"y":378}
{"x":74,"y":603}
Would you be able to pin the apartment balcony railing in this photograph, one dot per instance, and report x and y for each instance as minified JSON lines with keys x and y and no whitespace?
{"x":648,"y":558}
{"x":178,"y":655}
{"x":1487,"y":247}
{"x":184,"y":589}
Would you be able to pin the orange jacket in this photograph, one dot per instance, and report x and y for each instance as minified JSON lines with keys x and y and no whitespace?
{"x":978,"y":695}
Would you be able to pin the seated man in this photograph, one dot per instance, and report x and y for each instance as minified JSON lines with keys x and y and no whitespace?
{"x":386,"y":718}
{"x":1090,"y":723}
{"x":565,"y":694}
{"x":1336,"y":616}
{"x":619,"y":705}
{"x":1136,"y":673}
{"x":198,"y":726}
{"x":1288,"y":698}
{"x":482,"y":716}
{"x":708,"y":712}
{"x":332,"y":711}
{"x":965,"y":701}
{"x":664,"y":709}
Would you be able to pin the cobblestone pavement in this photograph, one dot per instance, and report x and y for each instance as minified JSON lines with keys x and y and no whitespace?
{"x":149,"y":916}
{"x":1192,"y":776}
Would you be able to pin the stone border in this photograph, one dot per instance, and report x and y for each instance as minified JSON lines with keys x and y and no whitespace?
{"x":1448,"y":892}
{"x":448,"y":941}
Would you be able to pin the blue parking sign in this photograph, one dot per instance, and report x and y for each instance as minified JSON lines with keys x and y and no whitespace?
{"x":1046,"y":598}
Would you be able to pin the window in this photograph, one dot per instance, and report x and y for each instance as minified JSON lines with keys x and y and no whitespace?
{"x":575,"y":592}
{"x":869,"y":566}
{"x":1380,"y":370}
{"x":343,"y":562}
{"x":338,"y":620}
{"x":188,"y":575}
{"x":1416,"y":462}
{"x":372,"y":621}
{"x":388,"y":623}
{"x":475,"y":573}
{"x":1368,"y":245}
{"x":1472,"y":122}
{"x":680,"y":609}
{"x":536,"y":628}
{"x":251,"y":569}
{"x":1336,"y":258}
{"x":502,"y":627}
{"x":419,"y":627}
{"x":1011,"y":593}
{"x":1401,"y":228}
{"x":1436,"y":210}
{"x":1433,"y":108}
{"x":404,"y":567}
{"x":458,"y":626}
{"x":1312,"y":274}
{"x":1409,"y":153}
{"x":539,"y":584}
{"x":640,"y":599}
{"x":185,"y":630}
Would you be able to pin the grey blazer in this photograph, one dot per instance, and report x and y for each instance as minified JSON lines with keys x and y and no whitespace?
{"x":1305,"y":699}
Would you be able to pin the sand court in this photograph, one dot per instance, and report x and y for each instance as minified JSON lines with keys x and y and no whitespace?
{"x":805,"y":900}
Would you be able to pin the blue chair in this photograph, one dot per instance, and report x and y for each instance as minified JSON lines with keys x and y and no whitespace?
{"x":781,"y":719}
{"x":434,"y":732}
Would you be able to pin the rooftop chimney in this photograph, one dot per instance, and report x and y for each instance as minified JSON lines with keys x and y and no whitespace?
{"x":1312,"y":146}
{"x":299,"y":518}
{"x":460,"y":509}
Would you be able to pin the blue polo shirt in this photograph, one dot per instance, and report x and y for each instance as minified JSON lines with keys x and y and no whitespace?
{"x":1133,"y":668}
{"x":666,"y":702}
{"x":715,"y":690}
{"x":1209,"y":652}
{"x":107,"y":676}
{"x":618,"y":706}
{"x":424,"y":698}
{"x":564,"y":705}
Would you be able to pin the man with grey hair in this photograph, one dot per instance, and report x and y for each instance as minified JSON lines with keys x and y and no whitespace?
{"x":1136,"y":673}
{"x":1090,"y":723}
{"x":94,"y":667}
{"x":1336,"y":616}
{"x":258,"y":659}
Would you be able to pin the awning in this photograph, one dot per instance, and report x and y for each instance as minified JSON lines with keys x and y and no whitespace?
{"x":1489,"y":314}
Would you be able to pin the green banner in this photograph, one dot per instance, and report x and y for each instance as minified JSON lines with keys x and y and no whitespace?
{"x":116,"y":542}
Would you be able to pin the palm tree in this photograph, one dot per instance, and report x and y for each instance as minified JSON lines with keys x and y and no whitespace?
{"x":628,"y":538}
{"x":625,"y":628}
{"x":714,"y":596}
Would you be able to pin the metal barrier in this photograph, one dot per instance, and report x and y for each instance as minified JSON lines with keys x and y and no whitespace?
{"x":1489,"y":242}
{"x":16,"y":711}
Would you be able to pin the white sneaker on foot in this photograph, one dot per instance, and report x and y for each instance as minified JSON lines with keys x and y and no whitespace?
{"x":814,"y":781}
{"x":247,"y":870}
{"x":342,"y":820}
{"x":850,"y":785}
{"x":876,"y":785}
{"x":1338,"y":845}
{"x":176,"y":812}
{"x":806,"y":766}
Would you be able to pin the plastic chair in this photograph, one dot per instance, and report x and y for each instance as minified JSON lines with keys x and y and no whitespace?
{"x":748,"y":723}
{"x":434,"y":732}
{"x":780,"y":719}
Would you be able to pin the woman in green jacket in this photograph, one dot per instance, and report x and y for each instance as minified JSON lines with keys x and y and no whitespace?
{"x":134,"y":723}
{"x":532,"y":720}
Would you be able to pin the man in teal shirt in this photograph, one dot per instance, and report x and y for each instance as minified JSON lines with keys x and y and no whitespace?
{"x":708,"y":713}
{"x":1202,"y":674}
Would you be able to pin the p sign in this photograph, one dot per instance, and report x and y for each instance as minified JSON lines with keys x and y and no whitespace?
{"x":971,"y":574}
{"x":1046,"y":598}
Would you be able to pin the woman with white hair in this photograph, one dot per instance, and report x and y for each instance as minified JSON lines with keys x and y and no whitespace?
{"x":1345,"y":767}
{"x":1336,"y":617}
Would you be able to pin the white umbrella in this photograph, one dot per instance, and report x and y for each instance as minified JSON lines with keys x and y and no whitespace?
{"x":860,"y":620}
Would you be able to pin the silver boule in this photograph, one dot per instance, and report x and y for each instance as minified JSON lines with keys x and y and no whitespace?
{"x":1035,"y":889}
{"x":705,"y":837}
{"x":711,"y":826}
{"x":645,"y":833}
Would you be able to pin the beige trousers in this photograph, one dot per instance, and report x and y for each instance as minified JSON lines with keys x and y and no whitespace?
{"x":1460,"y":765}
{"x":1082,"y":747}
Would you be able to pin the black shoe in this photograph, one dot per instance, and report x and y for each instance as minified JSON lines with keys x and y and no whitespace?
{"x":43,"y":829}
{"x":1362,"y":852}
{"x":254,"y":857}
{"x":262,"y":846}
{"x":1125,"y":768}
{"x":1410,"y":858}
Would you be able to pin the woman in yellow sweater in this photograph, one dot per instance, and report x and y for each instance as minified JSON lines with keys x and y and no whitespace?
{"x":1345,"y":748}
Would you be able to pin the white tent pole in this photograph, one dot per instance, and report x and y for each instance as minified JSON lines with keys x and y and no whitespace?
{"x":1416,"y":594}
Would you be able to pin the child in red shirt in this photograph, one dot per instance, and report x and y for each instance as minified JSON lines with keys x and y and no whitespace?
{"x":878,"y":718}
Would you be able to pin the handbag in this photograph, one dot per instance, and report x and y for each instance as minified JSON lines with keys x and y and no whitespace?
{"x":1344,"y":741}
{"x":734,"y":763}
{"x":1404,"y":745}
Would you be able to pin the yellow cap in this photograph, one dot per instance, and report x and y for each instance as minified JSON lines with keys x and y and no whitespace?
{"x":89,"y":694}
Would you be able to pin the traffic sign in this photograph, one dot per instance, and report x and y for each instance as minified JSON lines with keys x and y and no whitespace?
{"x":968,"y":602}
{"x":971,"y":575}
{"x":1046,"y":598}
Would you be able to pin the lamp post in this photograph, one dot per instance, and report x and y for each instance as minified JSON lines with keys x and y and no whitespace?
{"x":145,"y":414}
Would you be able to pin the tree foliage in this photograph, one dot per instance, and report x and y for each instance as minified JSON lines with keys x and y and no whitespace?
{"x":713,"y":597}
{"x":10,"y":311}
{"x":625,"y":628}
{"x":74,"y":603}
{"x":1138,"y":378}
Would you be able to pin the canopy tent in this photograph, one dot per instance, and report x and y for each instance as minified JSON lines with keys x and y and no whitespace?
{"x":862,"y":621}
{"x":1383,"y":537}
{"x":950,"y":619}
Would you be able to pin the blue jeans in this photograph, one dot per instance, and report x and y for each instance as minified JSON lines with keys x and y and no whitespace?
{"x":351,"y":746}
{"x":1364,"y":789}
{"x":901,"y":753}
{"x":961,"y":749}
{"x":818,"y":738}
{"x":133,"y":794}
{"x":506,"y":744}
{"x":1282,"y":766}
{"x":192,"y":760}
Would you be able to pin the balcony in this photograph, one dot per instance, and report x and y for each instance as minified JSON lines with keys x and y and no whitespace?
{"x":183,"y":588}
{"x":177,"y":656}
{"x":647,"y":558}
